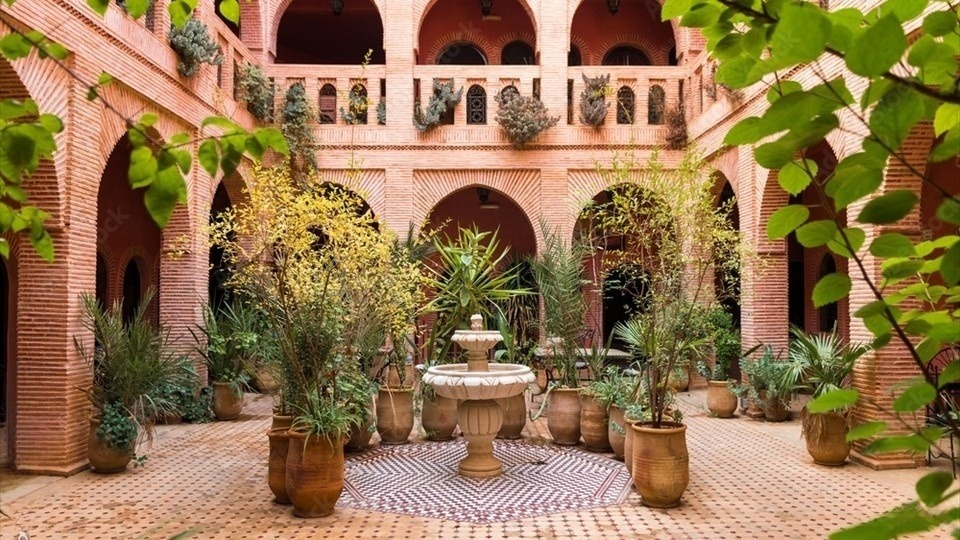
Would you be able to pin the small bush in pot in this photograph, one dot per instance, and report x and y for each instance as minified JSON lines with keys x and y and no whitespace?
{"x":227,"y":341}
{"x":764,"y":385}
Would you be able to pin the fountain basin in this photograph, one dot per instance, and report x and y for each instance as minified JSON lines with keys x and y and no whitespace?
{"x":500,"y":381}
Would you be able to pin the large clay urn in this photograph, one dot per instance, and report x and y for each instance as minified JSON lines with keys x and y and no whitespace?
{"x":775,"y":410}
{"x":439,"y":417}
{"x":102,"y":457}
{"x":514,"y":416}
{"x":277,"y":461}
{"x":594,"y":422}
{"x":721,"y":401}
{"x":314,"y":476}
{"x":360,"y":435}
{"x":563,"y":416}
{"x":628,"y":446}
{"x":226,"y":404}
{"x":617,"y":431}
{"x":395,"y":414}
{"x":826,"y":436}
{"x":661,"y":465}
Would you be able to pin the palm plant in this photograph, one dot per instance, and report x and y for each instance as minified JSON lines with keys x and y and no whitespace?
{"x":820,"y":363}
{"x":228,"y":341}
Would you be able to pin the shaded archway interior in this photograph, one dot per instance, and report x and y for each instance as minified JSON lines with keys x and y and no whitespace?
{"x":457,"y":21}
{"x":465,"y":209}
{"x":4,"y":330}
{"x":593,"y":25}
{"x":727,"y":287}
{"x":310,"y":33}
{"x":218,"y":294}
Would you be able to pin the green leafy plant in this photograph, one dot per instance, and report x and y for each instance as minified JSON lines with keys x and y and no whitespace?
{"x":257,"y":91}
{"x":443,"y":99}
{"x":726,"y":345}
{"x":117,"y":429}
{"x":820,"y":363}
{"x":294,"y":123}
{"x":194,"y":46}
{"x":357,"y":106}
{"x":593,"y":100}
{"x":198,"y":408}
{"x":382,"y":113}
{"x":522,"y":118}
{"x":763,"y":379}
{"x":228,"y":342}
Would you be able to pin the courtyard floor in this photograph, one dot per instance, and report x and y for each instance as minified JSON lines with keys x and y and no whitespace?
{"x":748,"y":479}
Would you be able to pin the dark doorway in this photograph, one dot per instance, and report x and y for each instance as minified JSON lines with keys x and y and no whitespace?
{"x":462,"y":54}
{"x":101,"y":286}
{"x":4,"y":306}
{"x":131,"y":290}
{"x":218,"y":295}
{"x":624,"y":295}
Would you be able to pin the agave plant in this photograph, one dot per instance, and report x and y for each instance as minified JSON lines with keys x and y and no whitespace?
{"x":820,"y":363}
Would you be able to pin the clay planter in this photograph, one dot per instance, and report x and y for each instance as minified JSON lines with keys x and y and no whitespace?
{"x":360,"y":435}
{"x":514,"y":416}
{"x":628,"y":446}
{"x":661,"y":465}
{"x":314,"y":474}
{"x":226,"y":404}
{"x":395,"y":414}
{"x":721,"y":401}
{"x":102,"y":458}
{"x":594,"y":424}
{"x":825,"y":434}
{"x":775,"y":410}
{"x":563,"y":416}
{"x":277,"y":462}
{"x":439,"y":418}
{"x":679,"y":381}
{"x":617,"y":435}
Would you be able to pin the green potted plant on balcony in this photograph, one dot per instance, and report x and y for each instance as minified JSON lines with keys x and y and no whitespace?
{"x":194,"y":46}
{"x":131,"y":364}
{"x":522,"y":118}
{"x":819,"y":364}
{"x":440,"y":106}
{"x":593,"y":100}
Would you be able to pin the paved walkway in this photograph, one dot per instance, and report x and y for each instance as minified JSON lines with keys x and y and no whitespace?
{"x":748,"y":480}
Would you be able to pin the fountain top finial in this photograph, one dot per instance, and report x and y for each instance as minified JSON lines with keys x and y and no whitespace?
{"x":476,"y":322}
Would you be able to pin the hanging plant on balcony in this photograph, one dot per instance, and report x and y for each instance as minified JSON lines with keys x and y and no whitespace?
{"x":593,"y":101}
{"x":441,"y":104}
{"x":194,"y":46}
{"x":676,"y":129}
{"x":299,"y":135}
{"x":356,"y":111}
{"x":523,"y":117}
{"x":382,"y":113}
{"x":257,"y":91}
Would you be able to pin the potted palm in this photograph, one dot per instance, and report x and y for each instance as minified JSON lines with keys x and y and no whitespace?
{"x":819,"y":364}
{"x":131,"y":365}
{"x":227,"y":341}
{"x":721,"y":399}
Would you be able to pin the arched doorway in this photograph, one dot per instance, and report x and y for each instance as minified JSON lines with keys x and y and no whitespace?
{"x":459,"y":33}
{"x":727,"y":284}
{"x":462,"y":54}
{"x":633,"y":36}
{"x":311,"y":32}
{"x":218,"y":295}
{"x":131,"y":290}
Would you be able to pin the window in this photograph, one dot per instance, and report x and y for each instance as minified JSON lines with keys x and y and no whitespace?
{"x":656,"y":103}
{"x":517,"y":53}
{"x":625,"y":101}
{"x":476,"y":105}
{"x":328,"y":104}
{"x":828,"y":314}
{"x":358,"y":105}
{"x":462,"y":54}
{"x":625,"y":55}
{"x":131,"y":291}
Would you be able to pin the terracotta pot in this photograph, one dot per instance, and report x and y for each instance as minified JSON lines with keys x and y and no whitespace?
{"x":168,"y":418}
{"x":314,"y":475}
{"x":226,"y":404}
{"x":721,"y":401}
{"x":628,"y":446}
{"x":594,"y":422}
{"x":360,"y":435}
{"x":281,"y":421}
{"x":394,"y":414}
{"x":661,"y":465}
{"x":563,"y":416}
{"x":277,"y":464}
{"x":616,"y":431}
{"x":439,"y":417}
{"x":102,"y":458}
{"x":775,"y":410}
{"x":825,"y":434}
{"x":679,"y":380}
{"x":514,"y":416}
{"x":264,"y":382}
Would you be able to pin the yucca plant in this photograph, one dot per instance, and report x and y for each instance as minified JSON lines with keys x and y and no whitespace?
{"x":131,"y":363}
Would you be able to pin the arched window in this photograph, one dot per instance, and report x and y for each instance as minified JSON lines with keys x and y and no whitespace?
{"x":656,"y":104}
{"x":476,"y":105}
{"x":625,"y":102}
{"x":828,"y":314}
{"x":328,"y":104}
{"x":509,"y":92}
{"x":625,"y":55}
{"x":358,"y":105}
{"x":131,"y":290}
{"x":462,"y":54}
{"x":517,"y":53}
{"x":573,"y":57}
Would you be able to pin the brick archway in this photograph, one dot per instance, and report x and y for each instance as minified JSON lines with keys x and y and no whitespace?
{"x":277,"y":15}
{"x":653,"y":52}
{"x":422,"y":8}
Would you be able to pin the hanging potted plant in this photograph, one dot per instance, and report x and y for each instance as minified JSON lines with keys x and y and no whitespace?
{"x":132,"y":364}
{"x":819,"y":364}
{"x":593,"y":100}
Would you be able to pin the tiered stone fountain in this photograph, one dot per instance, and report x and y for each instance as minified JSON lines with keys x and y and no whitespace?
{"x":477,"y":384}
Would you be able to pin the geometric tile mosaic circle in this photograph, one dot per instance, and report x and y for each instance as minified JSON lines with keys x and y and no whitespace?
{"x":538,"y":479}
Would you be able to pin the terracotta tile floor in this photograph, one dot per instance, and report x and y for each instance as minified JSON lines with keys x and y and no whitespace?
{"x":748,"y":480}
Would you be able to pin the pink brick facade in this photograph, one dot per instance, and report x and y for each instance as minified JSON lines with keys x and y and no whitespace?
{"x":405,"y":176}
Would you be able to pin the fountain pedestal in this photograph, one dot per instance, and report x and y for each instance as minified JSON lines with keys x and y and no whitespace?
{"x":477,"y":384}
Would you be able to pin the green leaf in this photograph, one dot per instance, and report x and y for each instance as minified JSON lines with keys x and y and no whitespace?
{"x":888,"y":208}
{"x":950,"y":265}
{"x":950,"y":374}
{"x":896,"y":113}
{"x":785,"y":220}
{"x":903,"y":443}
{"x":700,"y":15}
{"x":802,"y":33}
{"x":854,"y":178}
{"x":855,"y":236}
{"x":163,"y":195}
{"x":674,"y":8}
{"x":100,"y":6}
{"x":939,"y":23}
{"x":891,"y":245}
{"x":898,"y":269}
{"x":949,"y":211}
{"x":272,"y":138}
{"x":916,"y":396}
{"x":866,"y":430}
{"x":878,"y":48}
{"x":833,"y":400}
{"x":104,"y":79}
{"x":179,"y":13}
{"x":930,"y":488}
{"x":903,"y":520}
{"x":136,"y":8}
{"x":907,"y":9}
{"x":14,"y":46}
{"x":830,"y":288}
{"x":230,"y":9}
{"x":794,"y":177}
{"x":209,"y":157}
{"x":781,"y":89}
{"x":43,"y":244}
{"x":817,"y":233}
{"x":143,"y":167}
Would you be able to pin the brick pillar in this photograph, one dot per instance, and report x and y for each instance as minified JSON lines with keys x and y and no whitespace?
{"x":765,"y":301}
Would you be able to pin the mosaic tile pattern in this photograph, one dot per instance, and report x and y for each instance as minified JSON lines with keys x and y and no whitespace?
{"x":538,"y":479}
